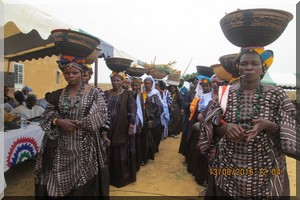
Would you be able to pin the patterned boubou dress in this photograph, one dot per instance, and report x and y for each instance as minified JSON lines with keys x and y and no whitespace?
{"x":256,"y":168}
{"x":74,"y":164}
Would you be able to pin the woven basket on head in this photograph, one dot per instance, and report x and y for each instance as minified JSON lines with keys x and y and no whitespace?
{"x":157,"y":73}
{"x":118,"y":64}
{"x":74,"y":43}
{"x":228,"y":62}
{"x":254,"y":27}
{"x":221,"y":73}
{"x":174,"y":78}
{"x":136,"y":71}
{"x":174,"y":75}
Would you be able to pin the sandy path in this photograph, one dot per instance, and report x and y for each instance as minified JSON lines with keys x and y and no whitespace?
{"x":165,"y":176}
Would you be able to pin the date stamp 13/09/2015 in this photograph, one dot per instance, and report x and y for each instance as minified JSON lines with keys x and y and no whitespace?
{"x":243,"y":172}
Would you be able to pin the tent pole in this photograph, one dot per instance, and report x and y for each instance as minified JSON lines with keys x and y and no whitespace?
{"x":96,"y":74}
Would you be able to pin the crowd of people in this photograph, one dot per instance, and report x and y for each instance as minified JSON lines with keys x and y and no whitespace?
{"x":234,"y":137}
{"x":23,"y":105}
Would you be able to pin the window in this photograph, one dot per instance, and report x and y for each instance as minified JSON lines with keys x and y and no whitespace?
{"x":58,"y":76}
{"x":19,"y":73}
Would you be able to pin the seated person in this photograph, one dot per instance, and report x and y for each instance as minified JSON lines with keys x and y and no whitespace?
{"x":6,"y":116}
{"x":26,"y":90}
{"x":43,"y":102}
{"x":19,"y":97}
{"x":7,"y":99}
{"x":7,"y":106}
{"x":30,"y":110}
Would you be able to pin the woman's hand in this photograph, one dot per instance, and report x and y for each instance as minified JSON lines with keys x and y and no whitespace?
{"x":182,"y":112}
{"x":130,"y":132}
{"x":234,"y":131}
{"x":150,"y":124}
{"x":200,"y":117}
{"x":68,"y":125}
{"x":139,"y":129}
{"x":260,"y":125}
{"x":105,"y":139}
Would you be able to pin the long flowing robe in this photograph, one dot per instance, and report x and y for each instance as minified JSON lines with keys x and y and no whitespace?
{"x":69,"y":162}
{"x":153,"y":111}
{"x":139,"y":122}
{"x":122,"y":152}
{"x":185,"y":122}
{"x":175,"y":122}
{"x":165,"y":117}
{"x":258,"y":166}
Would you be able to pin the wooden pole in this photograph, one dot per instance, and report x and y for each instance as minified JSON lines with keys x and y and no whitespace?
{"x":187,"y":67}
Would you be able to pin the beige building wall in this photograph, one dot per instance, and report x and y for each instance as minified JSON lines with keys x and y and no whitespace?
{"x":41,"y":75}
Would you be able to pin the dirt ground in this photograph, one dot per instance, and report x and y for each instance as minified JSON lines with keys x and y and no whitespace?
{"x":165,"y":176}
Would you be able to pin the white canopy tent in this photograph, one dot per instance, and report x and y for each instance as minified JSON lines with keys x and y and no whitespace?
{"x":27,"y":34}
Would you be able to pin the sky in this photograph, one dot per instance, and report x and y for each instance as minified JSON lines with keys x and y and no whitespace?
{"x":160,"y":31}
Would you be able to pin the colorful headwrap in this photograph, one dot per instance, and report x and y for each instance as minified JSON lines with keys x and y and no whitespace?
{"x":121,"y":74}
{"x":204,"y":80}
{"x":72,"y":61}
{"x":266,"y":56}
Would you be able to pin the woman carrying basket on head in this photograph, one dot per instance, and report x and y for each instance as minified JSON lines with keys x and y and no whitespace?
{"x":257,"y":129}
{"x":72,"y":160}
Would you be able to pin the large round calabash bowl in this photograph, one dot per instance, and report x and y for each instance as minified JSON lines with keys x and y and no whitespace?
{"x":116,"y":64}
{"x":254,"y":27}
{"x":74,"y":43}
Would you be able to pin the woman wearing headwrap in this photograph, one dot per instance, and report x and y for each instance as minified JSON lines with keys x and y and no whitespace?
{"x":87,"y":75}
{"x":121,"y":153}
{"x":175,"y":122}
{"x":185,"y":124}
{"x":199,"y":160}
{"x":153,"y":111}
{"x":139,"y":120}
{"x":127,"y":82}
{"x":202,"y":88}
{"x":258,"y":126}
{"x":72,"y":160}
{"x":166,"y":97}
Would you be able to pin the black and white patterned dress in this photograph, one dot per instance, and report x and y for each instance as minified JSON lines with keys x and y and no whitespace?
{"x":67,"y":161}
{"x":263,"y":154}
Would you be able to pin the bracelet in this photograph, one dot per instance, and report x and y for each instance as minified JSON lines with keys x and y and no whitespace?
{"x":54,"y":121}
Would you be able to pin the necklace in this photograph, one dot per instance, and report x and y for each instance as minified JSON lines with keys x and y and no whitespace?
{"x":246,"y":120}
{"x":72,"y":102}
